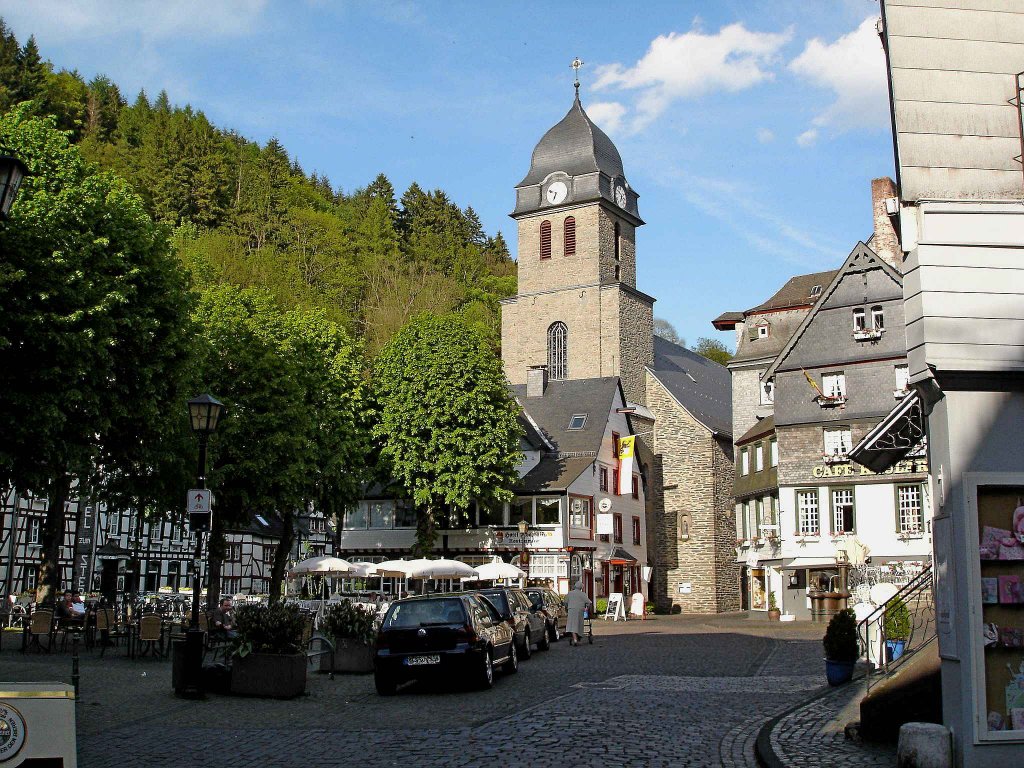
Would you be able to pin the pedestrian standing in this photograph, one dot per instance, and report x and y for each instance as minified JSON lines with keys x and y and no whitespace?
{"x":576,"y":602}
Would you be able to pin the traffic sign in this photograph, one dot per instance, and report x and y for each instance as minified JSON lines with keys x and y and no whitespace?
{"x":198,"y":505}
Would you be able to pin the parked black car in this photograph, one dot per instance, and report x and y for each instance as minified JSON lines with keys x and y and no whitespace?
{"x":550,"y":604}
{"x":458,"y":637}
{"x":514,"y":607}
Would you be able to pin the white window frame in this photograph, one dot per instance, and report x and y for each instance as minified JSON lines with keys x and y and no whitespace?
{"x":744,"y":462}
{"x":759,"y":457}
{"x":878,"y":318}
{"x":841,"y":499}
{"x":836,"y":441}
{"x":910,"y":497}
{"x":764,"y":330}
{"x":808,"y":512}
{"x":35,"y":527}
{"x":859,"y":320}
{"x":833,"y":384}
{"x":773,"y":452}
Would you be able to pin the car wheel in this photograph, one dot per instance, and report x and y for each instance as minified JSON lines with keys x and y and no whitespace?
{"x":512,"y":665}
{"x":486,"y":679}
{"x":524,"y":650}
{"x":544,"y":643}
{"x":385,"y":684}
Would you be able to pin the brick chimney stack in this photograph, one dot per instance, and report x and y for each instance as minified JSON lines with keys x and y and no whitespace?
{"x":886,"y":243}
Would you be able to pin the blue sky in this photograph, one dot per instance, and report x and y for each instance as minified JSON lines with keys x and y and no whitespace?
{"x":750,"y":128}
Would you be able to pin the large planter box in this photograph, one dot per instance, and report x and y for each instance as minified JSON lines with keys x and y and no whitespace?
{"x":272,"y":676}
{"x":349,"y":656}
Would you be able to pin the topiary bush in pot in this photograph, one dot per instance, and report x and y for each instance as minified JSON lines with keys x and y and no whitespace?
{"x":897,"y":628}
{"x":352,"y":629}
{"x":269,"y":659}
{"x":841,"y":647}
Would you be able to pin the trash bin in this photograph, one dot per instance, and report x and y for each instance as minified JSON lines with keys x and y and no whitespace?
{"x":28,"y":712}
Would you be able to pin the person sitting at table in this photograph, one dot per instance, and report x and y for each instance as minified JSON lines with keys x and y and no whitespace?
{"x":64,"y":610}
{"x":77,"y":604}
{"x":224,"y":619}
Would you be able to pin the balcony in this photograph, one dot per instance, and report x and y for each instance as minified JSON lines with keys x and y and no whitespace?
{"x":836,"y":458}
{"x":868,"y":334}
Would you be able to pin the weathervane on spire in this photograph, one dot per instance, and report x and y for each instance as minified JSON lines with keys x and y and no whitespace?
{"x":576,"y":64}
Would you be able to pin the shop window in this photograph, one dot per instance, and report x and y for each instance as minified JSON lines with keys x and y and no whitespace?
{"x":910,"y":515}
{"x":636,"y":530}
{"x":842,"y":510}
{"x":808,"y":522}
{"x":617,"y":528}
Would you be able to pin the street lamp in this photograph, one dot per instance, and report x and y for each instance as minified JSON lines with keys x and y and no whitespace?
{"x":524,"y":554}
{"x":204,"y":412}
{"x":12,"y":171}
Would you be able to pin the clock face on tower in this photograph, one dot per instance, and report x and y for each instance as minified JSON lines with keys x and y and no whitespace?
{"x":556,"y":192}
{"x":620,"y":196}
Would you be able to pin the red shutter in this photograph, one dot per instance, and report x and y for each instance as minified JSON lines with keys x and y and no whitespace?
{"x":545,"y":239}
{"x":570,"y":236}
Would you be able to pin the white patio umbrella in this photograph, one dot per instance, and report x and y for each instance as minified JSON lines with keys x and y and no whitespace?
{"x":498,"y":570}
{"x":439,"y":569}
{"x":321,"y":566}
{"x":363,"y":570}
{"x":392,"y":568}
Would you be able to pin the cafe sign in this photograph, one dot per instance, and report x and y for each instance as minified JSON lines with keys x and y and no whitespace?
{"x":850,"y":470}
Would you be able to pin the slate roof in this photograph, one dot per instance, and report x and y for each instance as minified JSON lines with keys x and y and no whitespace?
{"x":763,"y":427}
{"x":553,"y":473}
{"x":530,"y":434}
{"x":796,"y":292}
{"x":563,"y":399}
{"x":702,"y":386}
{"x":576,"y":146}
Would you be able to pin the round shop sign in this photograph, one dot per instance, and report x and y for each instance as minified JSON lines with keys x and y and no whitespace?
{"x":12,"y":732}
{"x":604,"y":505}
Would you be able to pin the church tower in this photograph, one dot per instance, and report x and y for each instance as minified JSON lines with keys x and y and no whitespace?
{"x":577,"y":311}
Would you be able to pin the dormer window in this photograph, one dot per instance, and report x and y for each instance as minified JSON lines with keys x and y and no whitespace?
{"x":545,"y":239}
{"x":815,"y":291}
{"x":578,"y":421}
{"x":763,"y":331}
{"x":570,"y":236}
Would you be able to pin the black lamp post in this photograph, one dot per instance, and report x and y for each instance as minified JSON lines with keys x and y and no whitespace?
{"x":524,"y":554}
{"x":204,"y":413}
{"x":12,"y":171}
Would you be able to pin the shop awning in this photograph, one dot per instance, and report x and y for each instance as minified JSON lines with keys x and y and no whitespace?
{"x":111,"y":551}
{"x":799,"y":563}
{"x":894,"y":437}
{"x":621,"y":557}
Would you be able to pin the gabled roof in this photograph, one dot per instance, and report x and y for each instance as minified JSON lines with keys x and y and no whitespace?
{"x":763,"y":427}
{"x":701,"y":386}
{"x":553,"y":474}
{"x":796,"y":292}
{"x":860,"y":258}
{"x":564,"y":399}
{"x":530,"y":434}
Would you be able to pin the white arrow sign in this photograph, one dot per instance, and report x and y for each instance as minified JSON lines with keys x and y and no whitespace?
{"x":199,"y":500}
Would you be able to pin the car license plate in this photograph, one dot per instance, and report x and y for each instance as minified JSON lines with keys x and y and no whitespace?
{"x":415,"y":661}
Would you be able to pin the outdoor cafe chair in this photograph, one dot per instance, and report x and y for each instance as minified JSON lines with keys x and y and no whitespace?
{"x":150,"y":633}
{"x":107,"y":628}
{"x":41,"y":625}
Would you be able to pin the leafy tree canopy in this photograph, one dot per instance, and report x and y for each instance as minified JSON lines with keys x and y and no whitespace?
{"x":712,"y":349}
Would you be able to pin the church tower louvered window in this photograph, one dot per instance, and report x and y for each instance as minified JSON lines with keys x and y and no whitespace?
{"x":570,"y":236}
{"x":558,"y":351}
{"x":545,"y":239}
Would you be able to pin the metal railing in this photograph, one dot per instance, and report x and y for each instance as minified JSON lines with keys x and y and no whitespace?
{"x":913,"y":607}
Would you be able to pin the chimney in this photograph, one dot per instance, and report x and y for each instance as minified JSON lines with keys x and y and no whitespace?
{"x":886,"y":243}
{"x":536,"y":380}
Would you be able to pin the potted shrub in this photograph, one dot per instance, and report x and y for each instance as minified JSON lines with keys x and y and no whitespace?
{"x":841,"y":647}
{"x":352,"y":630}
{"x":774,"y":614}
{"x":897,"y":629}
{"x":268,"y":658}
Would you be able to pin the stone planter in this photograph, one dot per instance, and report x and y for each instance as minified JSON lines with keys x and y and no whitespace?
{"x":270,"y":675}
{"x":349,"y":656}
{"x":774,"y":614}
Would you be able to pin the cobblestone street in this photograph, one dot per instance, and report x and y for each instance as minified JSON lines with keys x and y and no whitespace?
{"x":670,"y":691}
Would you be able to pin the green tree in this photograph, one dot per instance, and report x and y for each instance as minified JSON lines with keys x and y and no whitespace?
{"x":446,"y":423}
{"x":712,"y":349}
{"x":92,"y":338}
{"x":667,"y":331}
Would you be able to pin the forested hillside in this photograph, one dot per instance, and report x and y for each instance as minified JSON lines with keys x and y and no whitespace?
{"x":247,"y":214}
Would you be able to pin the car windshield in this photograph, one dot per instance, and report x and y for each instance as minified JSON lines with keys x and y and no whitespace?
{"x":498,"y":599}
{"x":423,"y":613}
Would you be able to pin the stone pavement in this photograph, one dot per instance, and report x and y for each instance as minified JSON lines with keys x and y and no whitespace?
{"x":813,"y":735}
{"x":679,"y":691}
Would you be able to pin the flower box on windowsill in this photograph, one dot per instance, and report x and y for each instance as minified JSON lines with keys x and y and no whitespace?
{"x":756,"y":542}
{"x":742,"y":543}
{"x":910,"y":535}
{"x":806,"y":538}
{"x":835,"y":458}
{"x":868,"y":334}
{"x":899,"y":394}
{"x":831,"y":401}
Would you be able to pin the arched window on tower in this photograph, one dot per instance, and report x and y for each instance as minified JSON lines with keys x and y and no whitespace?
{"x":558,"y":351}
{"x":617,"y":236}
{"x":570,"y":236}
{"x":545,"y":239}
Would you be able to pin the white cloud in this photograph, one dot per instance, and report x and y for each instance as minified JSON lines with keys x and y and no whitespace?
{"x":686,"y":65}
{"x":765,"y":135}
{"x":808,"y":137}
{"x":607,"y":114}
{"x":60,"y":20}
{"x":853,"y":68}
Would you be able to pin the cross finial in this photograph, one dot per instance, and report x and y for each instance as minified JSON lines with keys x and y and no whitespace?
{"x":576,"y":64}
